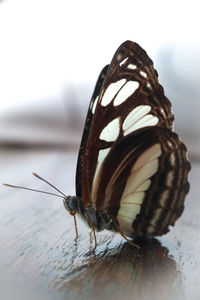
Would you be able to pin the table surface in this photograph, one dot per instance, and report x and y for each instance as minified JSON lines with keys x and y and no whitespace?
{"x":40,"y":257}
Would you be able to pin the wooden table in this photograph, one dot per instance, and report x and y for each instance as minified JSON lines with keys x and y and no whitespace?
{"x":39,"y":257}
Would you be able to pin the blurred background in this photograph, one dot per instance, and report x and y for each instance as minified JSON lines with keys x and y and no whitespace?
{"x":51,"y":53}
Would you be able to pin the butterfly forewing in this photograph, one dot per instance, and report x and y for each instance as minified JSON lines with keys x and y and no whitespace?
{"x":130,"y":99}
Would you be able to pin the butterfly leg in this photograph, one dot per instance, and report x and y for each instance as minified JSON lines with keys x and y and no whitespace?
{"x":92,"y":231}
{"x":119,"y":230}
{"x":75,"y":225}
{"x":90,"y":234}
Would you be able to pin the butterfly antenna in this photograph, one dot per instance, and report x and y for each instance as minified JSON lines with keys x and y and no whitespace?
{"x":39,"y":177}
{"x":39,"y":191}
{"x":29,"y":189}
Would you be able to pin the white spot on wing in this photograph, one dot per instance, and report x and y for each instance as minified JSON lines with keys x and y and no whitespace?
{"x":170,"y":178}
{"x":163,"y":198}
{"x":148,"y":120}
{"x":119,"y":57}
{"x":143,"y":74}
{"x":102,"y":155}
{"x":111,"y":91}
{"x":149,"y":86}
{"x":172,"y":159}
{"x":95,"y":104}
{"x":163,"y":112}
{"x":157,"y":214}
{"x":169,"y":144}
{"x":128,"y":89}
{"x":111,"y":131}
{"x":150,"y":229}
{"x":131,"y":67}
{"x":136,"y":114}
{"x":123,"y":61}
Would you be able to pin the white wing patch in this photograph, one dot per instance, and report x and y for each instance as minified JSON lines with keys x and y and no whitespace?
{"x":138,"y":182}
{"x":149,"y":86}
{"x":156,"y":216}
{"x":136,"y":114}
{"x":111,"y":91}
{"x":123,"y":61}
{"x":170,"y":178}
{"x":164,"y":197}
{"x":172,"y":159}
{"x":111,"y":131}
{"x":143,"y":74}
{"x":95,"y":104}
{"x":119,"y":91}
{"x":139,"y":118}
{"x":102,"y":155}
{"x":125,"y":217}
{"x":128,"y":89}
{"x":132,"y":67}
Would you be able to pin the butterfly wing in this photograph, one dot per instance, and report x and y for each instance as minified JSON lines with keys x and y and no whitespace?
{"x":89,"y":117}
{"x":142,"y":183}
{"x":130,"y":99}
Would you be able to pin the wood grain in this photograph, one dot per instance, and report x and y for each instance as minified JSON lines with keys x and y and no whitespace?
{"x":40,"y":258}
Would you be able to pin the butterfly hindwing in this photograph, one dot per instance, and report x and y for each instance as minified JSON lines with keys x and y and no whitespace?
{"x":142,"y":183}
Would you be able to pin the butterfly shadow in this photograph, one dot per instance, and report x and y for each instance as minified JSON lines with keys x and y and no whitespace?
{"x":125,"y":273}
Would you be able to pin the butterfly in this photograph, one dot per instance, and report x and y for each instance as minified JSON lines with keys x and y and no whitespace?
{"x":132,"y":169}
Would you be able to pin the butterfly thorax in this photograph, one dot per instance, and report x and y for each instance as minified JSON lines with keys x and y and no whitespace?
{"x":99,"y":219}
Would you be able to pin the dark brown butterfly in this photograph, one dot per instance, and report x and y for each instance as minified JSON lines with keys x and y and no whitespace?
{"x":132,"y":168}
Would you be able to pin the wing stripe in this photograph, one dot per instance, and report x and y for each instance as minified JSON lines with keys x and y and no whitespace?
{"x":143,"y":169}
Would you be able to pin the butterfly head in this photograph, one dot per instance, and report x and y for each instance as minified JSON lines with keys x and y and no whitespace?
{"x":71,"y":205}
